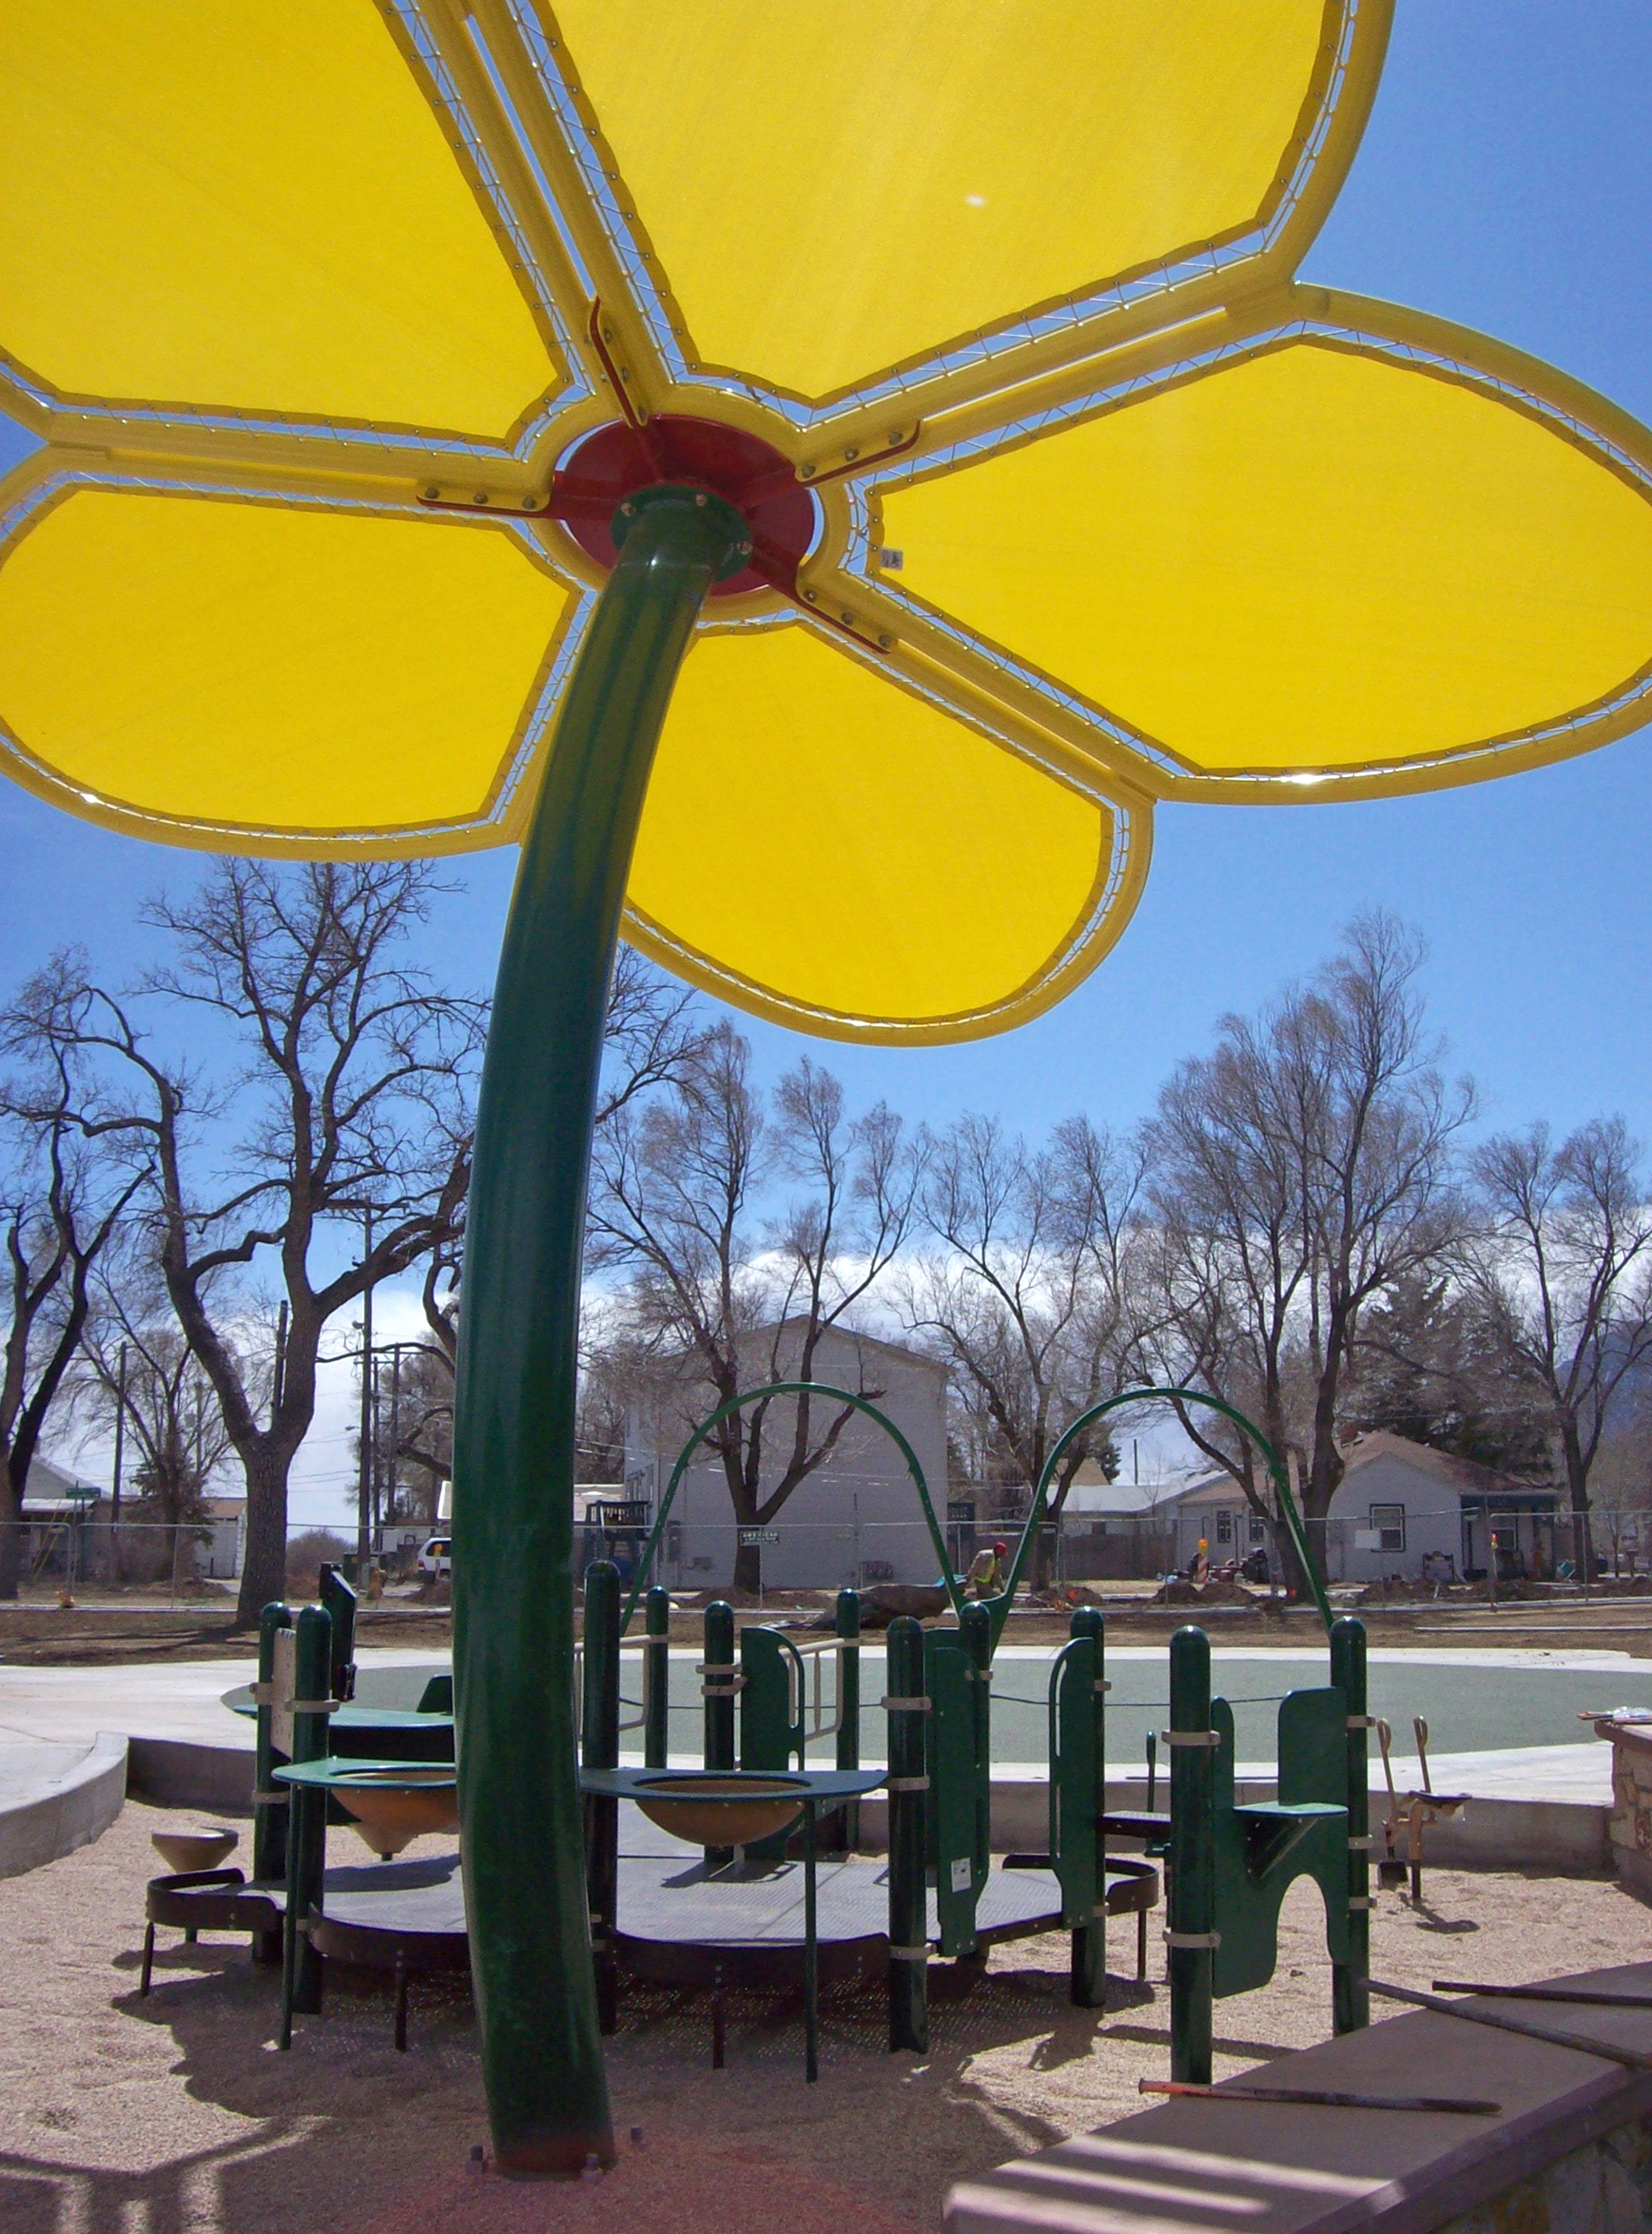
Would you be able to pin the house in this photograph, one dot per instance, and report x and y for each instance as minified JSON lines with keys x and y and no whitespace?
{"x":222,"y":1545}
{"x":1402,"y":1509}
{"x":855,"y":1520}
{"x":57,"y":1507}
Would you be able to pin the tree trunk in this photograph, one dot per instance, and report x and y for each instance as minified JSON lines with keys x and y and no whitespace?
{"x":10,"y":1540}
{"x":1577,"y":1491}
{"x":749,"y":1568}
{"x":264,"y":1572}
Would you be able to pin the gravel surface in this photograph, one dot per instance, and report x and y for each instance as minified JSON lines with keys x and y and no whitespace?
{"x":177,"y":2115}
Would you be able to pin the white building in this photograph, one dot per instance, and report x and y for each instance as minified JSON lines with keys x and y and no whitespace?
{"x":1402,"y":1509}
{"x":855,"y":1520}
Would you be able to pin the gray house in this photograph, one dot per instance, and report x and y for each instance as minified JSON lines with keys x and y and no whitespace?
{"x":1402,"y":1509}
{"x":856,"y":1520}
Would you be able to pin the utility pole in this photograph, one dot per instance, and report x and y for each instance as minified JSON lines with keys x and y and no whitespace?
{"x":364,"y":1485}
{"x":120,"y":1437}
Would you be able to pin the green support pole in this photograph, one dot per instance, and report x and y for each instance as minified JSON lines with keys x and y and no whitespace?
{"x":908,"y":1789}
{"x":976,"y":1629}
{"x":1088,"y":1987}
{"x":719,"y":1682}
{"x":599,"y":1749}
{"x":306,"y":1822}
{"x":269,"y":1826}
{"x":1350,"y":1987}
{"x":1192,"y":1893}
{"x":657,"y":1678}
{"x":848,"y":1629}
{"x":514,"y":1427}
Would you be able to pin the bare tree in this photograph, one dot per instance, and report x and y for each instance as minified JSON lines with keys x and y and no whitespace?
{"x":1301,"y":1168}
{"x":1562,"y":1263}
{"x":655,"y":1036}
{"x":61,"y":1205}
{"x":723,"y":1299}
{"x":354,"y":1093}
{"x":136,"y":1375}
{"x":1029,"y":1289}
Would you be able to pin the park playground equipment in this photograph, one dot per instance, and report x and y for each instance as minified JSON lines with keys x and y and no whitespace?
{"x":515,"y":402}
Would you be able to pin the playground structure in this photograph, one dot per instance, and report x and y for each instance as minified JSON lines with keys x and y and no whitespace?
{"x":705,"y":1894}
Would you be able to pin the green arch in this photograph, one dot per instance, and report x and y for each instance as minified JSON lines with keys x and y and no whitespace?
{"x":999,"y":1606}
{"x":860,"y":1404}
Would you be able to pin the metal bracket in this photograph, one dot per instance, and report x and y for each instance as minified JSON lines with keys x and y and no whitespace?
{"x":1358,"y":1900}
{"x":905,"y":1784}
{"x":1362,"y":1722}
{"x":909,"y":1955}
{"x":1194,"y":1939}
{"x":908,"y":1706}
{"x":1195,"y":1738}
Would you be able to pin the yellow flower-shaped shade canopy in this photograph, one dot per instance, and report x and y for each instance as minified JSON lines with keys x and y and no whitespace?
{"x":320,"y":309}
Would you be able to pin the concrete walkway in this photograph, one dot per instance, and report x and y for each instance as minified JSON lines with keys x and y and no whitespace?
{"x":54,"y":1797}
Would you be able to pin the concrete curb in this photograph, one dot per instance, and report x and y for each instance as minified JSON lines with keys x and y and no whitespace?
{"x":178,"y":1772}
{"x":68,"y":1811}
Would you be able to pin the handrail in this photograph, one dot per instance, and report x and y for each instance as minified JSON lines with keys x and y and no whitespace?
{"x":860,"y":1404}
{"x":999,"y":1606}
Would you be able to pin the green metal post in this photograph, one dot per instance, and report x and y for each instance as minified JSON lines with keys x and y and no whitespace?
{"x":1089,"y":1976}
{"x":657,"y":1678}
{"x":306,"y":1822}
{"x":719,"y":1684}
{"x":848,"y":1629}
{"x":269,"y":1827}
{"x":1350,"y":1990}
{"x":844,"y":1830}
{"x":599,"y":1749}
{"x":976,"y":1628}
{"x":908,"y":1790}
{"x":514,"y":1427}
{"x":1193,"y":1854}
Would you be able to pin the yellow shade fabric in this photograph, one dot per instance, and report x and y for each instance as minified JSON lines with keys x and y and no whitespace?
{"x":231,"y":206}
{"x":824,"y":848}
{"x":1312,"y":558}
{"x":831,"y":189}
{"x":271,"y":671}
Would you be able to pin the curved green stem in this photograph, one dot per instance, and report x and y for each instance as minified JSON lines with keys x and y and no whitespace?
{"x":520,"y":1811}
{"x":860,"y":1404}
{"x":999,"y":1606}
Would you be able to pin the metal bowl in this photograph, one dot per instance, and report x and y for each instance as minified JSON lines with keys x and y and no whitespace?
{"x":194,"y":1850}
{"x":755,"y":1807}
{"x":394,"y":1806}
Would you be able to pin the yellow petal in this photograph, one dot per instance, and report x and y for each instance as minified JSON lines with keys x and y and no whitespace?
{"x":1323,"y":557}
{"x":235,"y":674}
{"x":827,"y":849}
{"x":834,"y":188}
{"x":252,"y":208}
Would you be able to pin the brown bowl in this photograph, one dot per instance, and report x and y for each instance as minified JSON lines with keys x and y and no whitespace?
{"x":683,"y":1805}
{"x":194,"y":1850}
{"x":409,"y":1803}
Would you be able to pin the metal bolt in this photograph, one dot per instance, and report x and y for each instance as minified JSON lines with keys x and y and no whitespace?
{"x":809,"y":597}
{"x":743,"y":549}
{"x":527,"y":504}
{"x":628,"y":508}
{"x":807,"y":471}
{"x":481,"y":495}
{"x":847,"y":618}
{"x":432,"y":493}
{"x":700,"y":500}
{"x":851,"y":456}
{"x":884,"y":642}
{"x":608,"y":333}
{"x":897,"y":435}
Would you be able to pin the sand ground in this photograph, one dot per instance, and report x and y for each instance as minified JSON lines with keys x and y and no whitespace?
{"x":178,"y":2115}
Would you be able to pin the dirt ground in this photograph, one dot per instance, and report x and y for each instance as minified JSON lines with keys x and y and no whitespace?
{"x":178,"y":2115}
{"x":48,"y":1636}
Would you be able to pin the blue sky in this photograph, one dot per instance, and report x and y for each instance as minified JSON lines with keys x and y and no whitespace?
{"x":1504,"y":181}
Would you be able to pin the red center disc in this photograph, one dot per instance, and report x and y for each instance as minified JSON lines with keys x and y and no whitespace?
{"x":617,"y":461}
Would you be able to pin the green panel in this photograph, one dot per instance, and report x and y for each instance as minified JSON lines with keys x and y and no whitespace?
{"x":1072,"y":1778}
{"x":1260,"y":1851}
{"x":769,"y":1737}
